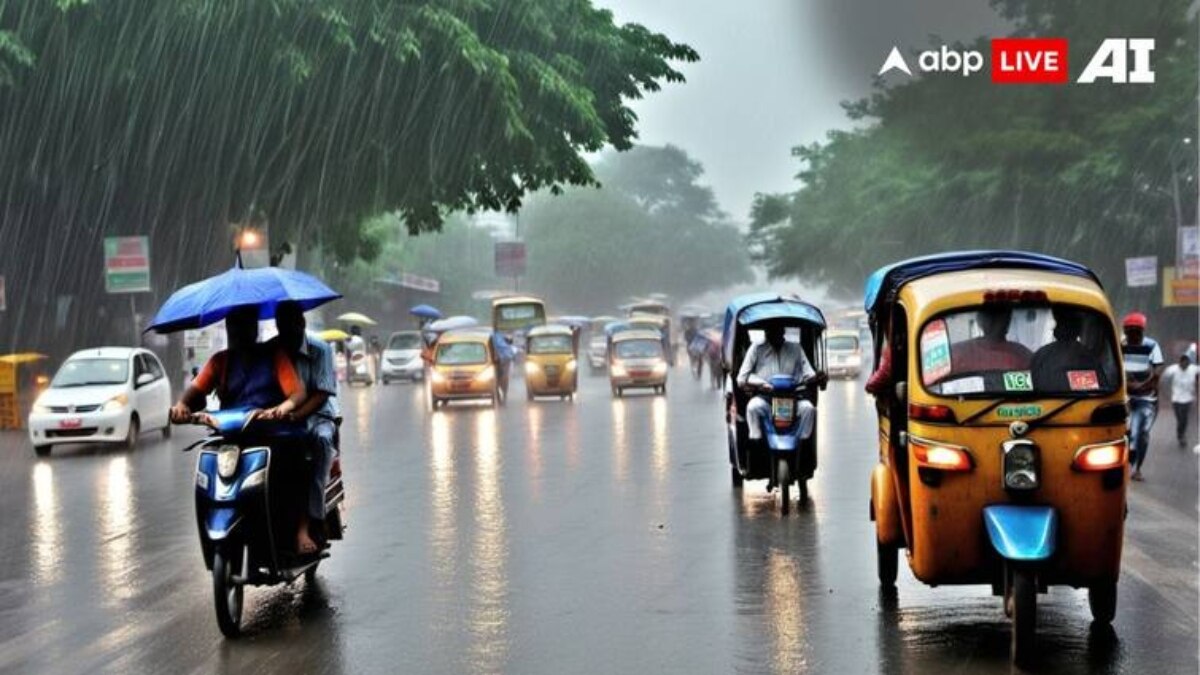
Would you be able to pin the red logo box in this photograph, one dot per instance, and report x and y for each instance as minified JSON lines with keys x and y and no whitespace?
{"x":1029,"y":61}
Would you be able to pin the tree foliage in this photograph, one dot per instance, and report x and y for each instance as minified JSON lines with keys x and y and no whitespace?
{"x":176,"y":118}
{"x":652,"y":227}
{"x":943,"y":162}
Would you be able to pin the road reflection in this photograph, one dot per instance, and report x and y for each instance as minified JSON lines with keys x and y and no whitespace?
{"x":489,"y":599}
{"x":660,"y":449}
{"x":443,"y":539}
{"x":533,"y":450}
{"x":784,"y":609}
{"x":46,"y":535}
{"x":620,"y":446}
{"x":116,"y":529}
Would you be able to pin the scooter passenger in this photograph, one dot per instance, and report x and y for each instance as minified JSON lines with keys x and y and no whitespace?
{"x":776,"y":356}
{"x":313,"y":360}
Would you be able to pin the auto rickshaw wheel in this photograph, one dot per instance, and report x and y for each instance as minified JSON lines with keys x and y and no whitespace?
{"x":886,"y":560}
{"x":736,"y":476}
{"x":784,"y":480}
{"x":1024,"y":615}
{"x":1102,"y":599}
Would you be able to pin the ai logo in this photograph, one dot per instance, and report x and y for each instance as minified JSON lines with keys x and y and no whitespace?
{"x":1109,"y":62}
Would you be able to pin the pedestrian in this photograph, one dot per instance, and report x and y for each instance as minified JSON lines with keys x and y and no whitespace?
{"x":1143,"y":366}
{"x":1183,"y":377}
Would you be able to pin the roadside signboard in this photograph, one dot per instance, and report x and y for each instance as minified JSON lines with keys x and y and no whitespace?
{"x":420,"y":283}
{"x":126,"y":264}
{"x":1141,"y":272}
{"x":510,"y":259}
{"x":1180,"y":290}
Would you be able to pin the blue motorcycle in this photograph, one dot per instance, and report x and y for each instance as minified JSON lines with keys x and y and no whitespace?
{"x":244,"y":528}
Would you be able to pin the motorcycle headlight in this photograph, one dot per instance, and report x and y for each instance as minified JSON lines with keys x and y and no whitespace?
{"x":115,"y":403}
{"x":227,"y":460}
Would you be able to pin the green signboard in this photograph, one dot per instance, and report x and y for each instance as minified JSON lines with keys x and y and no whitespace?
{"x":126,"y":264}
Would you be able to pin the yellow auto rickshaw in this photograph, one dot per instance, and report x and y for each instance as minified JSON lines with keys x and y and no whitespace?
{"x":1002,"y":451}
{"x":551,"y":361}
{"x":467,"y":365}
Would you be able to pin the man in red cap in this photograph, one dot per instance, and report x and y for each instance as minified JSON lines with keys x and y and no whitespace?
{"x":1143,"y":366}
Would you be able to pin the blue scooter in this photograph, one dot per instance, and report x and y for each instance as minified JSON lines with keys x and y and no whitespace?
{"x":792,"y":460}
{"x":243,"y":527}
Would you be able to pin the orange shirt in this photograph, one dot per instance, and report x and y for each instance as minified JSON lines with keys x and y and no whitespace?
{"x":213,"y":373}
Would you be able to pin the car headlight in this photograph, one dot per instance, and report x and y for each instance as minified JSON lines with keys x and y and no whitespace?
{"x":227,"y":460}
{"x":531,"y":368}
{"x":618,"y":370}
{"x":487,"y":374}
{"x":115,"y":403}
{"x":41,"y":408}
{"x":660,"y":368}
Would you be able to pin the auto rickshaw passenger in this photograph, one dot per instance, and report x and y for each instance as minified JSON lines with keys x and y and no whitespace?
{"x":1053,"y":362}
{"x":991,"y":351}
{"x":246,"y":375}
{"x":775,"y":356}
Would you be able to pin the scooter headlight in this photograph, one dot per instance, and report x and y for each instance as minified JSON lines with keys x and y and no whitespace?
{"x":227,"y":460}
{"x":1020,"y":465}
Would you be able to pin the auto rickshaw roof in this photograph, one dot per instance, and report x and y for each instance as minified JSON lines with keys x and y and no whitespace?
{"x":636,"y":334}
{"x":885,"y":283}
{"x":757,"y":308}
{"x":517,"y":300}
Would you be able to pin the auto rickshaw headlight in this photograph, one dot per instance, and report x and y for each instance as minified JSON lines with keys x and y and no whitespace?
{"x":618,"y":370}
{"x":660,"y":368}
{"x":487,"y":374}
{"x":227,"y":460}
{"x":572,"y":364}
{"x":531,"y":368}
{"x":437,"y":376}
{"x":1100,"y":457}
{"x":1020,"y":465}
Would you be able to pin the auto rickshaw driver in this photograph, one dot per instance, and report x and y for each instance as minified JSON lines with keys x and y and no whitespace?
{"x":776,"y":356}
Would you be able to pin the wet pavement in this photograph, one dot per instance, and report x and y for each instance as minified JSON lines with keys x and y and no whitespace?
{"x":595,"y":536}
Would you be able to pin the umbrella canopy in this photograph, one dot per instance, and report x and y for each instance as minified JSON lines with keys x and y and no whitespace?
{"x":333,"y":335}
{"x":207,"y":302}
{"x":425,"y":312}
{"x":356,"y":318}
{"x":452,"y":322}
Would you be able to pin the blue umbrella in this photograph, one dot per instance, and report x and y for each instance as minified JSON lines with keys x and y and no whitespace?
{"x":425,"y":312}
{"x":207,"y":302}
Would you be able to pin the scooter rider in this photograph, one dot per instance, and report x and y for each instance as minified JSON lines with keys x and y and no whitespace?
{"x":776,"y":356}
{"x":313,"y":360}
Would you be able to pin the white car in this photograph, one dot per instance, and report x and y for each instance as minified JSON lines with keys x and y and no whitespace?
{"x":104,"y":395}
{"x":402,"y":357}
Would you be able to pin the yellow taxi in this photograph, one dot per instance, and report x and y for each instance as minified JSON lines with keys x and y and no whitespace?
{"x":551,"y":362}
{"x":464,"y":367}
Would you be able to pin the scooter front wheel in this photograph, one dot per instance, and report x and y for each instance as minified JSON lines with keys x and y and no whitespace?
{"x":227,"y":594}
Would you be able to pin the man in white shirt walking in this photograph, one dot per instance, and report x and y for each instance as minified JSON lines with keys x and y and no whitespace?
{"x":1183,"y":377}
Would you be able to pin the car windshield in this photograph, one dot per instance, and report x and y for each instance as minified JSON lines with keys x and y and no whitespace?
{"x":462,"y":354}
{"x":842,"y":343}
{"x":405,"y":341}
{"x":639,"y":349}
{"x":1056,"y":350}
{"x":550,"y":344}
{"x":83,"y":372}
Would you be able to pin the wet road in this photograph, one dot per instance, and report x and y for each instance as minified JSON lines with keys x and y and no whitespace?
{"x":599,"y":536}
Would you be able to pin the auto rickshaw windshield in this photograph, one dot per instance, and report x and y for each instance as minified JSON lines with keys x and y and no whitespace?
{"x":550,"y":344}
{"x":1007,"y":350}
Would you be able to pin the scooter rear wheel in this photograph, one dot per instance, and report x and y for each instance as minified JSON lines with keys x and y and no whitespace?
{"x":784,"y":479}
{"x":227,"y":595}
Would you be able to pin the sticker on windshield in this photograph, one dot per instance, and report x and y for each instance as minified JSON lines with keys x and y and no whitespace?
{"x":935,"y":352}
{"x":1083,"y":380}
{"x":1018,"y":380}
{"x":1013,"y":412}
{"x":965,"y":385}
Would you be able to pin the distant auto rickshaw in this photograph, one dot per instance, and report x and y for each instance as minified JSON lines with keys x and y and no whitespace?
{"x":783,"y":457}
{"x":551,"y":361}
{"x":468,"y":364}
{"x":636,"y":361}
{"x":1002,"y":451}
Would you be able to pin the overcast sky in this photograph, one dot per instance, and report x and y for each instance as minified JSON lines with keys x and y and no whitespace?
{"x":772,"y":75}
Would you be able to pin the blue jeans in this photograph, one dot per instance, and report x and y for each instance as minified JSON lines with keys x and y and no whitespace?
{"x":1141,"y":419}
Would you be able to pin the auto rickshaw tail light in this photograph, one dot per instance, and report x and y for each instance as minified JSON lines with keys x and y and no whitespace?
{"x":1014,"y":295}
{"x":1100,"y":457}
{"x":931,"y":413}
{"x":939,"y":456}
